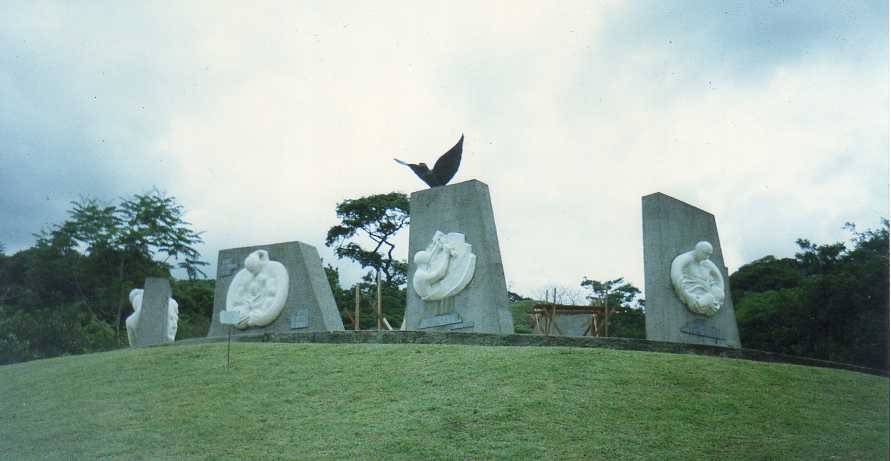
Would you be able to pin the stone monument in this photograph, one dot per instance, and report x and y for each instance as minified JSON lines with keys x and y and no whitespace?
{"x":455,"y":275}
{"x":155,"y":314}
{"x":685,"y":279}
{"x":273,"y":288}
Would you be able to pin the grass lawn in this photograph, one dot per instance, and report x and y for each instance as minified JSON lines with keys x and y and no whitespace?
{"x":375,"y":401}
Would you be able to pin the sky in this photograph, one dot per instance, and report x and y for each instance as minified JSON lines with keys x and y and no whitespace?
{"x":260,"y":118}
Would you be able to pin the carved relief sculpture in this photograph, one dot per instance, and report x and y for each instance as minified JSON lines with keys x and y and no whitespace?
{"x":133,"y":319}
{"x":444,"y":268}
{"x":697,"y":281}
{"x":258,"y":292}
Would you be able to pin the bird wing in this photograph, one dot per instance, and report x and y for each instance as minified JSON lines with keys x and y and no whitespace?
{"x":447,"y":165}
{"x":421,"y":171}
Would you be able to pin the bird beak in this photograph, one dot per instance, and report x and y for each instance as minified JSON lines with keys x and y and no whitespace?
{"x":400,"y":162}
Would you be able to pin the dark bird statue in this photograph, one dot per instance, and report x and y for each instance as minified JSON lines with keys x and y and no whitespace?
{"x":444,"y":169}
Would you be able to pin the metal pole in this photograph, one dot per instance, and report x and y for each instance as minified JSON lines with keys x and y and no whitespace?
{"x":228,"y":346}
{"x":380,"y":313}
{"x":356,"y":320}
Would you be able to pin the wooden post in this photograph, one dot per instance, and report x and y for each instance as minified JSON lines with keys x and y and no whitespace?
{"x":380,"y":312}
{"x":547,"y":314}
{"x":356,"y":319}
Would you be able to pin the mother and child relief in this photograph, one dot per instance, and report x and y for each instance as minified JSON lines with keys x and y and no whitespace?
{"x":456,"y":277}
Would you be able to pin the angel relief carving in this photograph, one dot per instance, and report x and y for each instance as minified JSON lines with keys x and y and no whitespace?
{"x":444,"y":268}
{"x":258,"y":292}
{"x":697,"y":281}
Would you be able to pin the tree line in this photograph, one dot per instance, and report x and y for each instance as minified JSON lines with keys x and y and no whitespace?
{"x":67,"y":294}
{"x":828,"y":302}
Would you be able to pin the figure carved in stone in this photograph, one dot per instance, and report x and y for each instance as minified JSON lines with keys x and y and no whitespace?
{"x":133,"y":320}
{"x":444,"y":268}
{"x":258,"y":292}
{"x":697,"y":281}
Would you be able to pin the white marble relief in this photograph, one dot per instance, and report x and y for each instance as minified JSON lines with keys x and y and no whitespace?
{"x":258,"y":292}
{"x":444,"y":268}
{"x":697,"y":281}
{"x":133,"y":320}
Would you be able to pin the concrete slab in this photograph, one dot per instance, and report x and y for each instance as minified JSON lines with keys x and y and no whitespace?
{"x":152,"y":326}
{"x":309,"y":304}
{"x":670,"y":228}
{"x":481,"y":306}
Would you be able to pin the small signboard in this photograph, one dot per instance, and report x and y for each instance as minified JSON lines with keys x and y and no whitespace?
{"x":230,"y":317}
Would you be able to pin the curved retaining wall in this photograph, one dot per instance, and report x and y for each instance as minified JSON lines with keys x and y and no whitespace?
{"x":487,"y":339}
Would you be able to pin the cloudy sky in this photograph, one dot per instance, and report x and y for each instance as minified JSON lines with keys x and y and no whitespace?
{"x":259,"y":118}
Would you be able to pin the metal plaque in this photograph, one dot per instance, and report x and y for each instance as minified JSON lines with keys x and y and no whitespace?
{"x":440,"y":320}
{"x":699,"y":328}
{"x":230,"y":317}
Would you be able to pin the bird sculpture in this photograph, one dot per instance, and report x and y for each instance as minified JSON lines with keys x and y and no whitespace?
{"x":444,"y":169}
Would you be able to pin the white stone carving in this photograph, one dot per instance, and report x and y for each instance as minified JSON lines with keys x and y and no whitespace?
{"x":133,"y":320}
{"x":697,"y":281}
{"x":258,"y":292}
{"x":444,"y":268}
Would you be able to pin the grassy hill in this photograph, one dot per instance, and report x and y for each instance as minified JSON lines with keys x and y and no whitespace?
{"x":375,"y":401}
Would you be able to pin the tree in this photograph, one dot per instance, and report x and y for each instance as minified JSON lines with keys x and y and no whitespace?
{"x":66,"y":294}
{"x":767,"y":273}
{"x":195,"y":299}
{"x":392,"y":301}
{"x":829,"y":302}
{"x":561,"y":294}
{"x":516,"y":297}
{"x":118,"y":245}
{"x":611,"y":295}
{"x":379,"y":218}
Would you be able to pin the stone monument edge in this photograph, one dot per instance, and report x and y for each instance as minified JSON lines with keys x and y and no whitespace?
{"x":312,"y":262}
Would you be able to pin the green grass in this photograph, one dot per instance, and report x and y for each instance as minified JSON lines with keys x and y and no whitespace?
{"x":415,"y":402}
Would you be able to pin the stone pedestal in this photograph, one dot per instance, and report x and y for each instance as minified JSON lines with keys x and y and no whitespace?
{"x":670,"y":228}
{"x":309,"y":305}
{"x":481,"y":306}
{"x":152,"y":326}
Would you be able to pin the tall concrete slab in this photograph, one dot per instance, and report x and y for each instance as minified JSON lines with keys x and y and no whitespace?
{"x":481,"y":306}
{"x":671,"y":228}
{"x":152,"y":326}
{"x":308,"y":304}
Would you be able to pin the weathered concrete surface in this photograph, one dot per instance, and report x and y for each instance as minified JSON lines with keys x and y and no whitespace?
{"x":152,"y":326}
{"x":465,"y":208}
{"x":310,"y":304}
{"x":672,"y":227}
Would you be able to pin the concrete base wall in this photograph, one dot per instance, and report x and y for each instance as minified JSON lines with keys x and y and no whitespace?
{"x":672,"y":227}
{"x":465,"y":208}
{"x":485,"y":339}
{"x":310,"y":304}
